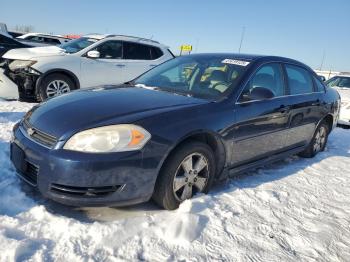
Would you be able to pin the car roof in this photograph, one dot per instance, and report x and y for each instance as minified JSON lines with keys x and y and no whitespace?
{"x":251,"y":58}
{"x":125,"y":38}
{"x":45,"y":35}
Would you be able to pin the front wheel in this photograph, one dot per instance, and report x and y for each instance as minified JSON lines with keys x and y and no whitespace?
{"x":318,"y":142}
{"x":55,"y":85}
{"x":189,"y":170}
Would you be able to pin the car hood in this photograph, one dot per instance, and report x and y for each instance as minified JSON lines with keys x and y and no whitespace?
{"x":67,"y":114}
{"x":33,"y":52}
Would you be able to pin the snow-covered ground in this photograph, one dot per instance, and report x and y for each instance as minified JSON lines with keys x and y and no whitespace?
{"x":297,"y":209}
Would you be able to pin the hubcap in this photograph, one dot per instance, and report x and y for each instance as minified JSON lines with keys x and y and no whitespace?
{"x":320,"y":139}
{"x":56,"y":88}
{"x":191,"y":176}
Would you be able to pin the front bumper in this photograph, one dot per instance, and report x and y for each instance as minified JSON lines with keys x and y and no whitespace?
{"x":82,"y":179}
{"x":8,"y":89}
{"x":22,"y":82}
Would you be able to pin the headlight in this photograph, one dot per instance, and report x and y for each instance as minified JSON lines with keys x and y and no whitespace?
{"x":115,"y":138}
{"x":20,"y":64}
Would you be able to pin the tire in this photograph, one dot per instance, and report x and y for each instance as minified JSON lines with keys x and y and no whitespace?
{"x":318,"y":142}
{"x":170,"y":197}
{"x":55,"y":82}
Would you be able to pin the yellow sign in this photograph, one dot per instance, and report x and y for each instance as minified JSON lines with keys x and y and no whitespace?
{"x":187,"y":48}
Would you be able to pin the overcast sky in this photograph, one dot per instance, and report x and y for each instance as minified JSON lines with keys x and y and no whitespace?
{"x":300,"y":29}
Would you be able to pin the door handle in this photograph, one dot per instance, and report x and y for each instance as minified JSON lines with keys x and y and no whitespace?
{"x":284,"y":109}
{"x":120,"y":65}
{"x":152,"y":65}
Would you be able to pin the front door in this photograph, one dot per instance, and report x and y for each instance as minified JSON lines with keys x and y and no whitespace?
{"x":261,"y":125}
{"x":108,"y":69}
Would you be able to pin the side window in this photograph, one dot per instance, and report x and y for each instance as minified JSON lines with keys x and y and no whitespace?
{"x":135,"y":51}
{"x":269,"y":77}
{"x":320,"y":87}
{"x":155,"y":52}
{"x":52,"y":41}
{"x":299,"y":80}
{"x":35,"y":39}
{"x":110,"y":50}
{"x":333,"y":81}
{"x":344,"y":82}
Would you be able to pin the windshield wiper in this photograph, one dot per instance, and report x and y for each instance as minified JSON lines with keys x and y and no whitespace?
{"x":168,"y":90}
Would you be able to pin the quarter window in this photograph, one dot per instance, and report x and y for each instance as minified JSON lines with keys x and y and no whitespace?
{"x":299,"y":80}
{"x":110,"y":50}
{"x":268,"y":76}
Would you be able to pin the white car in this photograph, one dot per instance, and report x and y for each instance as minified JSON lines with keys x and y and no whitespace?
{"x":342,"y":84}
{"x":92,"y":60}
{"x":44,"y":38}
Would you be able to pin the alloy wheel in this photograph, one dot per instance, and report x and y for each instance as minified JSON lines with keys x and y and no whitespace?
{"x":320,"y":139}
{"x":191,"y":176}
{"x":56,"y":88}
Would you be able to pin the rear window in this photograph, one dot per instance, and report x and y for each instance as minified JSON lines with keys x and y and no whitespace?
{"x":299,"y":80}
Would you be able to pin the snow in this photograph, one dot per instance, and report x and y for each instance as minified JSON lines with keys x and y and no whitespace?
{"x":296,"y":209}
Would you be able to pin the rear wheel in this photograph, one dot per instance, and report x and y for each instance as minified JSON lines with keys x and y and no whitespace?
{"x":189,"y":170}
{"x":318,"y":142}
{"x":55,"y":85}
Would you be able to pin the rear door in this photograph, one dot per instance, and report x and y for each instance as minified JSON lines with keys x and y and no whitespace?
{"x":306,"y":105}
{"x":261,"y":125}
{"x":108,"y":69}
{"x":139,"y":58}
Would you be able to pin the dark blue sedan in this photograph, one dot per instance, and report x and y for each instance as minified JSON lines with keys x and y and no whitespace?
{"x":173,"y":131}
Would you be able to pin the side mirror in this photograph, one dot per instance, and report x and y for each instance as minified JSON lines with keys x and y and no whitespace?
{"x":93,"y":54}
{"x":260,"y":93}
{"x":322,"y":78}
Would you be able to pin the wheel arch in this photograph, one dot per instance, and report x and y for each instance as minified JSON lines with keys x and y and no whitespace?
{"x":207,"y":137}
{"x":329,"y":120}
{"x":60,"y":71}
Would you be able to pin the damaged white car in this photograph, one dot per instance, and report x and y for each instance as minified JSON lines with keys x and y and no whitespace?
{"x":43,"y":72}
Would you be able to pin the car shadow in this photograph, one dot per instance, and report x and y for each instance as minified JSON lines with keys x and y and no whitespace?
{"x":251,"y":179}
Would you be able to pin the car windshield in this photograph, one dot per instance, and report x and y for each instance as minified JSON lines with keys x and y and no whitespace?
{"x":343,"y":82}
{"x":78,"y":44}
{"x":198,"y":76}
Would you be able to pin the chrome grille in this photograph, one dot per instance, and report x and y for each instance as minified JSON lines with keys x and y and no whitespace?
{"x":85,"y":191}
{"x":39,"y":136}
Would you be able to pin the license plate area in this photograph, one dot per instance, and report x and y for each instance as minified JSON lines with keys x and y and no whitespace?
{"x":18,"y":158}
{"x":26,"y":170}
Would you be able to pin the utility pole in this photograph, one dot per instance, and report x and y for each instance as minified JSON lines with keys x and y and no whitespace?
{"x":323,"y":58}
{"x":242,"y":37}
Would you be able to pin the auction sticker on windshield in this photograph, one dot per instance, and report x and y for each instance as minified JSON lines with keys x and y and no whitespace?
{"x":235,"y":62}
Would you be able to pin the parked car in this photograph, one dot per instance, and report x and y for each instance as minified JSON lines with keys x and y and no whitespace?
{"x":45,"y":38}
{"x":342,"y":84}
{"x":8,"y":43}
{"x":170,"y":133}
{"x":44,"y":72}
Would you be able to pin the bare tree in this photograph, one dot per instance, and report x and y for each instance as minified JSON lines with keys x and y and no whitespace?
{"x":24,"y":28}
